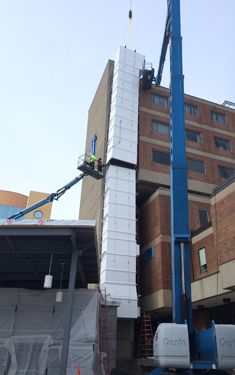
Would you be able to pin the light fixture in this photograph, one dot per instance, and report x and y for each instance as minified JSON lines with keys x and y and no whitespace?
{"x":59,"y":293}
{"x":48,"y":278}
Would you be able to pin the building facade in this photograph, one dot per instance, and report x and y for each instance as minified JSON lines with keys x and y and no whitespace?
{"x":210,"y":147}
{"x":12,"y":203}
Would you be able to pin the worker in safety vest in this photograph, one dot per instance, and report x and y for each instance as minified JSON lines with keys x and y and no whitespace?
{"x":99,"y":165}
{"x":92,"y":160}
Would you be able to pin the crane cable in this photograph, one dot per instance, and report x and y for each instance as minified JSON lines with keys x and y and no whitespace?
{"x":130,"y":34}
{"x":130,"y":11}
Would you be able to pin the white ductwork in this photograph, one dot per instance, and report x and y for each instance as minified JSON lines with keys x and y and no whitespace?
{"x":119,"y":248}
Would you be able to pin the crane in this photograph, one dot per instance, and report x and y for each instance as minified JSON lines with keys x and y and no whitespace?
{"x":178,"y":344}
{"x":84,"y":166}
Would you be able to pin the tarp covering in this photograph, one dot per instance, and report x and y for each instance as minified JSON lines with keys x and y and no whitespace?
{"x":31,"y":332}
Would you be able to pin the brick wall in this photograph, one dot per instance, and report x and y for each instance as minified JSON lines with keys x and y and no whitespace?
{"x":223,"y":219}
{"x":202,"y":123}
{"x":211,"y":162}
{"x":208,"y":243}
{"x":149,"y":222}
{"x":155,"y":273}
{"x":154,"y":228}
{"x":194,"y":222}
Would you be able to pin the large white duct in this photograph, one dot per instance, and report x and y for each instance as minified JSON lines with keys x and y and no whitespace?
{"x":119,"y":248}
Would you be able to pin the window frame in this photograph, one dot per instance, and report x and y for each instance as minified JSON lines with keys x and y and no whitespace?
{"x":223,"y":140}
{"x":161,"y":153}
{"x":202,"y":262}
{"x":187,"y":131}
{"x":149,"y":254}
{"x":162,"y":102}
{"x":200,"y":217}
{"x":191,"y":109}
{"x":159,"y":123}
{"x":226,"y":168}
{"x":199,"y":161}
{"x":218,"y":116}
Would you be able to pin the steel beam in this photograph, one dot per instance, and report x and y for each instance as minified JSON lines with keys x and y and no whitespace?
{"x":69,"y":309}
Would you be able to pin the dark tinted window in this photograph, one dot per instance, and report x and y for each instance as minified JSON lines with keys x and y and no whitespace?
{"x":222,"y":144}
{"x":159,"y":100}
{"x":218,"y":117}
{"x":193,"y":136}
{"x":196,"y":166}
{"x":225,"y":172}
{"x":203,"y":217}
{"x":161,"y":157}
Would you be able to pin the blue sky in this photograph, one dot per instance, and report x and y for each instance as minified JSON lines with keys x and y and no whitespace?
{"x":53,"y":53}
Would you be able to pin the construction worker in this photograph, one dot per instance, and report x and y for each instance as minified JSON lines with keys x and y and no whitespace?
{"x":92,"y":160}
{"x":99,"y":165}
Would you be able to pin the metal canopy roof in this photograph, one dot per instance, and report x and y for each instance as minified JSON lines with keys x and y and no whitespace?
{"x":26,"y":248}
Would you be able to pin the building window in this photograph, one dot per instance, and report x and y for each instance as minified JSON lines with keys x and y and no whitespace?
{"x":193,"y":136}
{"x":225,"y":172}
{"x":196,"y":166}
{"x":159,"y":100}
{"x":203,"y":217}
{"x":191,"y":109}
{"x":149,"y":254}
{"x":159,"y":127}
{"x":38,"y":214}
{"x":218,"y":117}
{"x":161,"y":157}
{"x":222,"y":144}
{"x":202,"y":260}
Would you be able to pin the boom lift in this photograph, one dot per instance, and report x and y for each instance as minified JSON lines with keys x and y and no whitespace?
{"x":178,"y":345}
{"x":84,"y":166}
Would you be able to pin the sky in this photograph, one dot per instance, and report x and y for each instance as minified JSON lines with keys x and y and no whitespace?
{"x":53,"y":54}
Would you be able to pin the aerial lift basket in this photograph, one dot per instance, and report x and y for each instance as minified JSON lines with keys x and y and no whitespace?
{"x":91,"y":169}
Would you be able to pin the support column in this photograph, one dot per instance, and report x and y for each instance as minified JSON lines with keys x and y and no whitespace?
{"x":69,"y":310}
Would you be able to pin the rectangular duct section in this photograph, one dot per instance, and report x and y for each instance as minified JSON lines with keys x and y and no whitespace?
{"x":119,"y":248}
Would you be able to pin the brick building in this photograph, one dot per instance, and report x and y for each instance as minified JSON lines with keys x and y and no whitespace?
{"x":210,"y":143}
{"x":210,"y":146}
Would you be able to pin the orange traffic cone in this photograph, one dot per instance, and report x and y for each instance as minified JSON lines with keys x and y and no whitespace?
{"x":78,"y":371}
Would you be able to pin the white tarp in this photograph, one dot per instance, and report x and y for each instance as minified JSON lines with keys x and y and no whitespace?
{"x":31,"y":332}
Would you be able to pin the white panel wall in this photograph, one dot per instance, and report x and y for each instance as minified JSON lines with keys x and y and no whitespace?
{"x":119,"y":248}
{"x":122,"y":140}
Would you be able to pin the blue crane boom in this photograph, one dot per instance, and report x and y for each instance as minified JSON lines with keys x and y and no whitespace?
{"x":85,"y":166}
{"x":165,"y":43}
{"x":49,"y":198}
{"x":179,"y":182}
{"x":178,"y":344}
